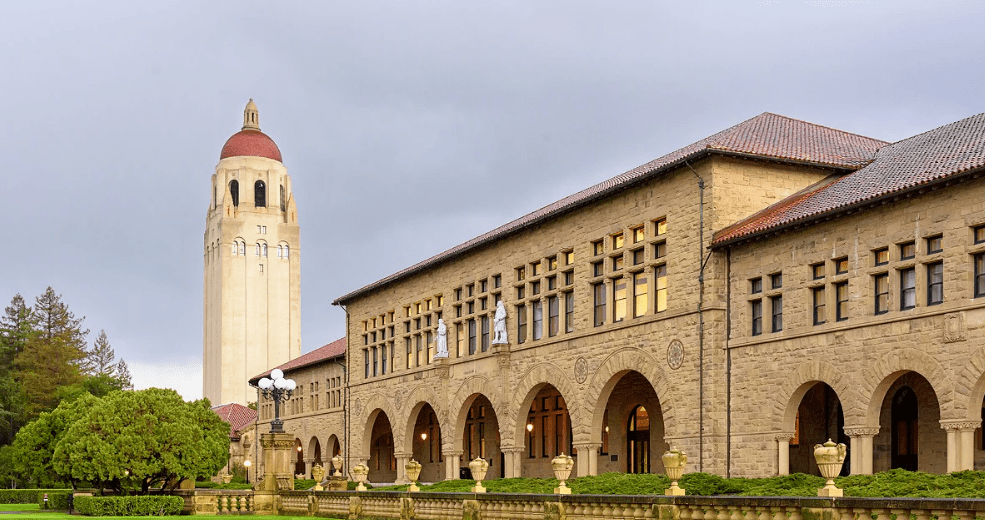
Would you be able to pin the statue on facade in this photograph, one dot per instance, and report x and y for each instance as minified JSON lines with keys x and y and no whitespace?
{"x":441,"y":340}
{"x":499,"y":325}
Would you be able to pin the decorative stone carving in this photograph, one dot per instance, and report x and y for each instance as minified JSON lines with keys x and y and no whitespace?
{"x":337,"y":462}
{"x":357,"y":407}
{"x":562,"y":465}
{"x":441,"y":340}
{"x":830,"y":457}
{"x":960,"y":425}
{"x":861,"y":432}
{"x":318,"y":473}
{"x":360,"y":472}
{"x":413,"y":471}
{"x":674,"y":462}
{"x":955,"y":328}
{"x":499,"y":325}
{"x":581,"y":370}
{"x":675,"y":354}
{"x":479,"y":468}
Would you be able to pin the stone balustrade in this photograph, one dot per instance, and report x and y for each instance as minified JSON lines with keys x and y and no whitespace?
{"x":355,"y":505}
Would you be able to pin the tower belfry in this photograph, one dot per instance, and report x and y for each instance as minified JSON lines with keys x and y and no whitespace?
{"x":252,"y":266}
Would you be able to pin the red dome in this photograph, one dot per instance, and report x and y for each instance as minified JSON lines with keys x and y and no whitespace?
{"x":253,"y":143}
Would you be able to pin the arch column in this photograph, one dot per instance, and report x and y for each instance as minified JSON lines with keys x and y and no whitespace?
{"x":453,"y":461}
{"x":588,"y":457}
{"x":861,"y":452}
{"x":783,"y":452}
{"x":402,"y":460}
{"x":512,"y":457}
{"x":960,"y":444}
{"x":309,"y":462}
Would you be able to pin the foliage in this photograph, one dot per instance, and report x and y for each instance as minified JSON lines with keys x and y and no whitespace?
{"x":24,"y":496}
{"x":31,"y":453}
{"x":100,"y":360}
{"x":144,"y":438}
{"x":98,"y":385}
{"x":61,"y":500}
{"x":129,"y":506}
{"x":208,"y":484}
{"x":304,"y":483}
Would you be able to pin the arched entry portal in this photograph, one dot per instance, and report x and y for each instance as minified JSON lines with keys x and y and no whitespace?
{"x":382,"y":463}
{"x":910,"y":435}
{"x":480,"y":438}
{"x":819,"y":417}
{"x":426,"y":442}
{"x":548,"y":432}
{"x":632,"y":427}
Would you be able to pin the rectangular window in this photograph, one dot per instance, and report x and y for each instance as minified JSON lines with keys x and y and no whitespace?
{"x":597,"y":269}
{"x":638,"y":257}
{"x":558,"y":434}
{"x":979,"y":232}
{"x":366,"y":363}
{"x":521,"y":292}
{"x":470,"y":307}
{"x":569,"y":312}
{"x":569,"y":257}
{"x":660,"y":273}
{"x":597,"y":248}
{"x":617,"y":241}
{"x":569,"y":277}
{"x":908,"y":288}
{"x":521,"y":323}
{"x":538,"y":308}
{"x":659,"y":250}
{"x":617,"y":263}
{"x":458,"y":294}
{"x":660,"y":226}
{"x":497,"y":281}
{"x":618,"y":299}
{"x":521,"y":273}
{"x":551,"y":283}
{"x":980,"y":276}
{"x":383,"y":360}
{"x":818,"y":297}
{"x":776,"y":280}
{"x":535,"y":269}
{"x":841,"y":265}
{"x":428,"y":347}
{"x":419,"y":347}
{"x":484,"y":344}
{"x":817,"y":271}
{"x":482,"y":306}
{"x":756,"y":285}
{"x":935,"y":283}
{"x":472,"y":333}
{"x":552,"y":263}
{"x":534,"y":288}
{"x":459,"y":339}
{"x":553,"y":316}
{"x":598,"y":302}
{"x":935,"y":244}
{"x":841,"y":301}
{"x":638,"y":235}
{"x":880,"y":284}
{"x":543,"y":436}
{"x":639,"y":294}
{"x":907,"y":251}
{"x":776,"y":304}
{"x":410,"y":352}
{"x":756,"y":310}
{"x":880,"y":256}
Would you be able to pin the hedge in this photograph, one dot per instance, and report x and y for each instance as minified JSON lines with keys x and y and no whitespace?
{"x":25,"y":496}
{"x":61,"y":500}
{"x":129,"y":506}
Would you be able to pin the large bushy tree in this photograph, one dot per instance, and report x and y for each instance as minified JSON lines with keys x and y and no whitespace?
{"x":32,"y":451}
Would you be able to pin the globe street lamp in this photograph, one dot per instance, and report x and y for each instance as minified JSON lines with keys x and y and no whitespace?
{"x":280,"y":390}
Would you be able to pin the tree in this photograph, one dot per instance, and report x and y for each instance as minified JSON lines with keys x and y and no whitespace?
{"x":31,"y":452}
{"x":17,"y":329}
{"x":123,"y":375}
{"x":100,"y":360}
{"x":147,"y":438}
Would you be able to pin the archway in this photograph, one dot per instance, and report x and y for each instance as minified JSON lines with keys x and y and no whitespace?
{"x":382,"y":462}
{"x":334,"y":448}
{"x":910,"y":435}
{"x":548,"y":432}
{"x":632,"y":426}
{"x":426,"y":444}
{"x":480,"y":436}
{"x":299,"y":468}
{"x":819,"y":417}
{"x":314,"y":451}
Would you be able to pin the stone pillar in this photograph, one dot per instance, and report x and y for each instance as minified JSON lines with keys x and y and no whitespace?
{"x":402,"y":460}
{"x":783,"y":452}
{"x":960,"y":443}
{"x":278,"y":450}
{"x":860,"y":452}
{"x":588,"y":458}
{"x":453,"y":461}
{"x":512,"y":457}
{"x":308,"y":464}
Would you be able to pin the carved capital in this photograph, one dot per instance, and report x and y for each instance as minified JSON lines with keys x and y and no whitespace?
{"x":588,"y":447}
{"x":960,"y":424}
{"x":452,"y":453}
{"x":512,"y":450}
{"x":783,"y":436}
{"x":865,"y":431}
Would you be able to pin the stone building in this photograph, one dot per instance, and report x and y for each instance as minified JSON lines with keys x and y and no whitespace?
{"x":742,"y":298}
{"x":252,"y":265}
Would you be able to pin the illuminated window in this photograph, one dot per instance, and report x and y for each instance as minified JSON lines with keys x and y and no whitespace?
{"x":619,"y":299}
{"x":660,"y":273}
{"x":639,"y":294}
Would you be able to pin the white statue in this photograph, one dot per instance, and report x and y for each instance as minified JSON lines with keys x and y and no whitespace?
{"x":441,"y":340}
{"x":499,"y":325}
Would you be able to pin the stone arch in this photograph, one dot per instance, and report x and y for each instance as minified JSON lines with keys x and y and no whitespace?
{"x":527,"y":387}
{"x":786,"y":400}
{"x":374,"y":406}
{"x":467,"y":393}
{"x":419,"y":396}
{"x":969,"y":389}
{"x":330,"y":446}
{"x":616,"y":365}
{"x":881,"y":375}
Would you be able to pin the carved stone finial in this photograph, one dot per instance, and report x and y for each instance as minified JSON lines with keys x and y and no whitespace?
{"x":251,"y":117}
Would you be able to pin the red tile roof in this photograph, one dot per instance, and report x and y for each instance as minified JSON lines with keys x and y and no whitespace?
{"x":237,"y":415}
{"x":766,"y":135}
{"x":332,"y":350}
{"x":908,"y":164}
{"x":251,"y":143}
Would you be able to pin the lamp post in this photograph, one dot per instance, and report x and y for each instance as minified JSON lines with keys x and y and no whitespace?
{"x":246,"y":464}
{"x":280,"y":390}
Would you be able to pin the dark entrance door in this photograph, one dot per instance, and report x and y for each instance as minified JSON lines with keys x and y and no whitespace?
{"x":638,"y":441}
{"x":904,"y":418}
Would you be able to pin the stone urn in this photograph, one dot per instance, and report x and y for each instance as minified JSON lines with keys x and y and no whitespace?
{"x":674,"y":462}
{"x":360,"y":473}
{"x":226,"y":478}
{"x":337,"y":462}
{"x":479,"y":468}
{"x":562,"y":465}
{"x":830,"y":457}
{"x":318,"y":473}
{"x":413,"y":472}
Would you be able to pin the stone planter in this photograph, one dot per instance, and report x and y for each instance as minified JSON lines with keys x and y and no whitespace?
{"x":562,"y":465}
{"x":413,"y":472}
{"x":337,"y":462}
{"x":360,"y":472}
{"x":226,"y":478}
{"x":479,"y":468}
{"x":674,"y":462}
{"x":830,"y":457}
{"x":318,"y":473}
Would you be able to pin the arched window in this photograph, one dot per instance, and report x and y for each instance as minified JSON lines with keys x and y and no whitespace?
{"x":235,"y":248}
{"x":242,"y":248}
{"x":234,"y":191}
{"x":280,"y":251}
{"x":287,"y":251}
{"x":260,"y":194}
{"x":257,"y":253}
{"x":283,"y":200}
{"x":264,"y":246}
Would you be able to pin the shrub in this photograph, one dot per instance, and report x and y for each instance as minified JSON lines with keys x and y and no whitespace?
{"x":306,"y":483}
{"x":24,"y":496}
{"x":129,"y":506}
{"x":61,"y":500}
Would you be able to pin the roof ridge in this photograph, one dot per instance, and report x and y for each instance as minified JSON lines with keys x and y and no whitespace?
{"x":826,"y":127}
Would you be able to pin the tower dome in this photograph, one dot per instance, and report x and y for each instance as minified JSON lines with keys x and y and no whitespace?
{"x":250,"y":141}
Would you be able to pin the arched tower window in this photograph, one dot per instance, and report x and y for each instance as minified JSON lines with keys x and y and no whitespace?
{"x":283,"y":199}
{"x":234,"y":191}
{"x":242,"y":248}
{"x":263,"y":248}
{"x":260,"y":194}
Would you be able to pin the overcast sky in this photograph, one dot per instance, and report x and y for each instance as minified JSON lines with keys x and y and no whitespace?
{"x":407,"y":126}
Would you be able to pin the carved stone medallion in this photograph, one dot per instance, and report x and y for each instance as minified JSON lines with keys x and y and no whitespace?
{"x":581,"y":370}
{"x":675,"y":354}
{"x":954,"y":327}
{"x":357,"y":407}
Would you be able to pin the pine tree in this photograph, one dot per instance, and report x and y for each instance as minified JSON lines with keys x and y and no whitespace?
{"x":123,"y":375}
{"x":17,"y":325}
{"x":99,"y":359}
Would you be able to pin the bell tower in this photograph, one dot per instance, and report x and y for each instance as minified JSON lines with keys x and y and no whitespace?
{"x":252,"y":266}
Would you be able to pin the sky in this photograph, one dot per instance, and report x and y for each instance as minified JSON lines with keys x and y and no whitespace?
{"x":407,"y":127}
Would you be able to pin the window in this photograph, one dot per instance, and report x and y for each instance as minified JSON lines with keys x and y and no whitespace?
{"x":597,"y":248}
{"x":619,"y":299}
{"x":817,"y":271}
{"x":551,"y":283}
{"x":365,"y":363}
{"x":520,"y":292}
{"x":472,"y":336}
{"x":484,"y":344}
{"x":569,"y":312}
{"x":617,"y":263}
{"x":907,"y":251}
{"x":979,"y":275}
{"x":935,"y":283}
{"x":935,"y":244}
{"x":419,"y":347}
{"x":776,"y":280}
{"x":497,"y":281}
{"x":242,"y":248}
{"x":534,"y":288}
{"x":287,"y":251}
{"x":283,"y":199}
{"x":553,"y":316}
{"x":263,"y":250}
{"x":638,"y":257}
{"x":458,"y":294}
{"x":617,"y":241}
{"x":756,"y":309}
{"x":660,"y":273}
{"x":841,"y":265}
{"x":383,"y":360}
{"x":521,"y":273}
{"x":459,"y":339}
{"x":776,"y":305}
{"x":908,"y":288}
{"x":256,"y":250}
{"x":841,"y":301}
{"x":597,"y":269}
{"x":260,"y":194}
{"x":880,"y":256}
{"x":470,"y":289}
{"x":756,"y":285}
{"x":569,"y":277}
{"x":598,"y":302}
{"x":410,"y":352}
{"x":234,"y":191}
{"x":660,"y":226}
{"x":659,"y":250}
{"x":538,"y":319}
{"x":552,"y":263}
{"x":880,"y":284}
{"x":521,"y":323}
{"x":569,"y":258}
{"x":638,"y":235}
{"x":535,"y":269}
{"x":818,"y":297}
{"x":639,"y":294}
{"x":979,"y":232}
